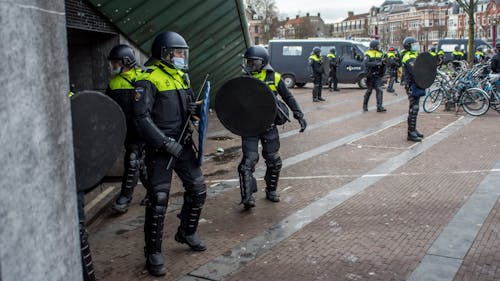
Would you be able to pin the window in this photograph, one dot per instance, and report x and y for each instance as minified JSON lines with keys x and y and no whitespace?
{"x":256,"y":29}
{"x":326,"y":49}
{"x":257,"y":40}
{"x":292,"y":50}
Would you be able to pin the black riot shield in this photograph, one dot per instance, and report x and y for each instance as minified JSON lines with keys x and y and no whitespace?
{"x":424,"y":70}
{"x":99,"y":130}
{"x":245,"y":106}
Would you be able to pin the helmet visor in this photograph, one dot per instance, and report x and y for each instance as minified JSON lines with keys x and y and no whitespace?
{"x":178,"y":57}
{"x":253,"y":64}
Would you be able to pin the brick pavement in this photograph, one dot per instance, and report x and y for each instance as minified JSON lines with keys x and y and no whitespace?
{"x":383,"y":232}
{"x":117,"y":242}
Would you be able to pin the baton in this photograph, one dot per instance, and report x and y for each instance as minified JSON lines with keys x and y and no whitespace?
{"x":187,"y":121}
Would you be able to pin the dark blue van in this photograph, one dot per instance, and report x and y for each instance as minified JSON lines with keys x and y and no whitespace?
{"x":448,"y":45}
{"x":290,"y":58}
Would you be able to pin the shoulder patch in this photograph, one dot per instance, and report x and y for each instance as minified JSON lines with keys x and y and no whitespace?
{"x":139,"y":91}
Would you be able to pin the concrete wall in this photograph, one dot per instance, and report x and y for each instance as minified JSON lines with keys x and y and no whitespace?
{"x":38,"y":217}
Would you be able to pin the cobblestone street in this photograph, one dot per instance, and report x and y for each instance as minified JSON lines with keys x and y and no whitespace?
{"x":358,"y":202}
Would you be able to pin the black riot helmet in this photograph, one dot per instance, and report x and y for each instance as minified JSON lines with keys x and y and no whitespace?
{"x":374,"y":44}
{"x":124,"y":54}
{"x":170,"y":48}
{"x":317,"y":51}
{"x":407,"y":42}
{"x":332,"y":50}
{"x":256,"y":58}
{"x":433,"y":49}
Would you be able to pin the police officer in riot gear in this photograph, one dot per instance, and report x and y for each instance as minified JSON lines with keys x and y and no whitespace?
{"x":413,"y":91}
{"x":334,"y":64}
{"x":479,"y":55}
{"x":375,"y":68}
{"x":163,"y":102}
{"x":257,"y":65}
{"x":121,"y":89}
{"x":392,"y":62}
{"x":316,"y":66}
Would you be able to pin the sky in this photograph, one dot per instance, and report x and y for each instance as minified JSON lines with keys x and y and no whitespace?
{"x":331,"y":11}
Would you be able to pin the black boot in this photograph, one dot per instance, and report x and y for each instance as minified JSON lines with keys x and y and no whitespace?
{"x":190,"y":216}
{"x":412,"y":126}
{"x":273,"y":163}
{"x":380,"y":108}
{"x":315,"y":94}
{"x":153,"y":233}
{"x":87,"y":265}
{"x":365,"y":101}
{"x":248,"y":184}
{"x":412,"y":136}
{"x":419,"y":134}
{"x":129,"y":181}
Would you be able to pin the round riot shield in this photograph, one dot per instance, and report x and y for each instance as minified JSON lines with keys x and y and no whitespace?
{"x":424,"y":70}
{"x":99,"y":130}
{"x":245,"y":106}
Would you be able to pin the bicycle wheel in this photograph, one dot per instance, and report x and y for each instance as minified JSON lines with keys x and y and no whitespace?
{"x":433,"y":100}
{"x":475,"y":101}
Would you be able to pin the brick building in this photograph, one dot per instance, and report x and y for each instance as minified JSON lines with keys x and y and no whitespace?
{"x":351,"y":27}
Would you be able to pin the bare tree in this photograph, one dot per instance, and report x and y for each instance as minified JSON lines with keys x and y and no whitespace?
{"x":305,"y":29}
{"x":470,"y":7}
{"x":269,"y":12}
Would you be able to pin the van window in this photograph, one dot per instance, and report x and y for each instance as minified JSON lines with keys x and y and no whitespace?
{"x":326,"y":50}
{"x":292,"y":50}
{"x":450,"y":47}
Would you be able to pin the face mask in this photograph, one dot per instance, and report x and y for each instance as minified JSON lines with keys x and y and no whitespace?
{"x":415,"y":47}
{"x":115,"y":71}
{"x":178,"y":62}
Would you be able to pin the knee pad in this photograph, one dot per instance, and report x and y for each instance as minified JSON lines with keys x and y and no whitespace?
{"x":159,"y":195}
{"x":273,"y":159}
{"x":248,"y":162}
{"x":195,"y":199}
{"x":133,"y":160}
{"x":414,"y":108}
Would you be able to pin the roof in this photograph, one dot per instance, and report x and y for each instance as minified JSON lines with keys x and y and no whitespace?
{"x":295,"y":21}
{"x":216,"y":31}
{"x":312,"y":40}
{"x":356,"y":17}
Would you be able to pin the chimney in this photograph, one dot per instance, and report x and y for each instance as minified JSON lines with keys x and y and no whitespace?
{"x":287,"y":18}
{"x":350,"y":14}
{"x":319,"y":15}
{"x":307,"y":14}
{"x":297,"y":17}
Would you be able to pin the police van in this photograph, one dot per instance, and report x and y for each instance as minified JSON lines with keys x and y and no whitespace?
{"x":290,"y":58}
{"x":448,"y":45}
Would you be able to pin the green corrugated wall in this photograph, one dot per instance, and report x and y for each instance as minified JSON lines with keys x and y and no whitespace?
{"x":215,"y":30}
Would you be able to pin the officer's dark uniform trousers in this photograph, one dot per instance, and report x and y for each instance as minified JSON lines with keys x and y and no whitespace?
{"x":375,"y":71}
{"x":121,"y":89}
{"x":270,"y":142}
{"x":161,"y":111}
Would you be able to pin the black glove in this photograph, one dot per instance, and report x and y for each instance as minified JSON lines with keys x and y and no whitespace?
{"x":194,"y":108}
{"x":170,"y":146}
{"x":303,"y":124}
